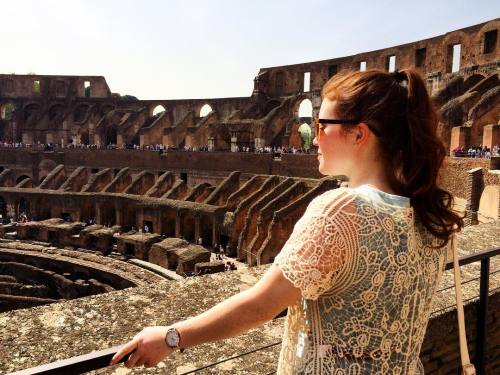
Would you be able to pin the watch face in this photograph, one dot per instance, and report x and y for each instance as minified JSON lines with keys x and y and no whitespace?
{"x":172,"y":338}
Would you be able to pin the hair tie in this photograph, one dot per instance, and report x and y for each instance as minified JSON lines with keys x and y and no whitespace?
{"x":400,"y":78}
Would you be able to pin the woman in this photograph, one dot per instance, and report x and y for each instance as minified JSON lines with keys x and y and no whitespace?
{"x":361,"y":267}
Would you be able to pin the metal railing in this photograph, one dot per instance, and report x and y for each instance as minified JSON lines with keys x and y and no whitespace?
{"x":101,"y":359}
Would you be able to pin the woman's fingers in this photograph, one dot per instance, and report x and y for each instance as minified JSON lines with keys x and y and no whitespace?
{"x":133,"y":359}
{"x":127,"y":348}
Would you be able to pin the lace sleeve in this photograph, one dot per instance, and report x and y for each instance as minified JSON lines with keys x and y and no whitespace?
{"x":322,"y":245}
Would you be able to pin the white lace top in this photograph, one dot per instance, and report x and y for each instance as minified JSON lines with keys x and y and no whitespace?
{"x":367,"y":275}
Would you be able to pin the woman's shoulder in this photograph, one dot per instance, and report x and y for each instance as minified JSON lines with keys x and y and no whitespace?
{"x":332,"y":201}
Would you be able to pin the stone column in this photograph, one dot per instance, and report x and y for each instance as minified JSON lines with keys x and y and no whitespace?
{"x":196,"y":229}
{"x":460,"y":136}
{"x":118,"y":216}
{"x":178,"y":226}
{"x":215,"y":233}
{"x":473,"y":189}
{"x":259,"y":142}
{"x":211,"y":143}
{"x":491,"y":136}
{"x":98,"y":214}
{"x":234,"y":144}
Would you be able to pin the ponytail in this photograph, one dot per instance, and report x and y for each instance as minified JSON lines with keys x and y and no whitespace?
{"x":398,"y":105}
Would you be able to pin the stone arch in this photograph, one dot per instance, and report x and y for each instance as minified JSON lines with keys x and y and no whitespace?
{"x":7,"y":111}
{"x":305,"y":133}
{"x":205,"y":110}
{"x":305,"y":109}
{"x":81,"y":112}
{"x":31,"y":111}
{"x":56,"y":114}
{"x":490,"y":26}
{"x":157,"y":110}
{"x":21,"y":178}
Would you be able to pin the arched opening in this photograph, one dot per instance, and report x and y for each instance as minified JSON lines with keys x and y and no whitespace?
{"x":87,"y":212}
{"x":306,"y":135}
{"x":80,"y":112}
{"x":110,"y":136}
{"x":187,"y":222}
{"x":7,"y":111}
{"x":205,"y":110}
{"x":3,"y":211}
{"x":31,"y":111}
{"x":24,"y":206}
{"x":159,"y":109}
{"x":168,"y":224}
{"x":56,"y":113}
{"x":206,"y":225}
{"x":42,"y":209}
{"x":305,"y":108}
{"x":21,"y":178}
{"x":108,"y":216}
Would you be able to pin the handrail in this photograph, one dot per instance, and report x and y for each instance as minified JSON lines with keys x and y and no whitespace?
{"x":102,"y":358}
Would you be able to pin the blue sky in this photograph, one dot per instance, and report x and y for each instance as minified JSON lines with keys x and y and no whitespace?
{"x":195,"y":49}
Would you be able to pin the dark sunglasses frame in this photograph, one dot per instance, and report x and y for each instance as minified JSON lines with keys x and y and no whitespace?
{"x":326,"y":121}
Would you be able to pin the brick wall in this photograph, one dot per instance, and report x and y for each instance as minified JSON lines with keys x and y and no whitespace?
{"x":440,"y":353}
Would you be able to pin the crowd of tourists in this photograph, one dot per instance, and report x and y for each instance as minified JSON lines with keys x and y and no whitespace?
{"x":161,"y":148}
{"x":477,"y":151}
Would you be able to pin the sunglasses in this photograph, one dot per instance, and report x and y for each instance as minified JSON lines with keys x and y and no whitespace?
{"x":326,"y":121}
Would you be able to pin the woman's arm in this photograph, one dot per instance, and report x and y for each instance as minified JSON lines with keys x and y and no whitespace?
{"x":238,"y":314}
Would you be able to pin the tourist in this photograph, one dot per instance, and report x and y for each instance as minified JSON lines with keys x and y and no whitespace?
{"x":361,"y":267}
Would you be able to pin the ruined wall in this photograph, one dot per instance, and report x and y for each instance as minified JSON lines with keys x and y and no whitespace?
{"x":435,"y":60}
{"x":453,"y":175}
{"x":81,"y":110}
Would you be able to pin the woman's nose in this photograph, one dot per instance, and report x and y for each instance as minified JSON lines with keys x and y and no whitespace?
{"x":315,"y":142}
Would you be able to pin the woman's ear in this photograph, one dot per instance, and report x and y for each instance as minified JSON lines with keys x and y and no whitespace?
{"x":361,"y":133}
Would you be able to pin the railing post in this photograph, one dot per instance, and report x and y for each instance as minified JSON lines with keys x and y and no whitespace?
{"x":481,"y":315}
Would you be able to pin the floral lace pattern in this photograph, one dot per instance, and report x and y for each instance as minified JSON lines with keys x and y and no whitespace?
{"x":367,"y":274}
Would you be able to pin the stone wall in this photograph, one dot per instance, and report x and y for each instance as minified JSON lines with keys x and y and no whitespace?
{"x":453,"y":174}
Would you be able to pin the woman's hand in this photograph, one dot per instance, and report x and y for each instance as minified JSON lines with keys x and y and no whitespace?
{"x":148,"y":348}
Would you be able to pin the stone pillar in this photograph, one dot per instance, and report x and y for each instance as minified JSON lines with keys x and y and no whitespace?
{"x":98,"y":214}
{"x":491,"y":136}
{"x":259,"y":142}
{"x":473,"y":189}
{"x":211,"y":143}
{"x":118,"y":217}
{"x":460,"y":136}
{"x":11,"y":209}
{"x":234,"y":144}
{"x":196,"y":229}
{"x":215,"y":233}
{"x":178,"y":226}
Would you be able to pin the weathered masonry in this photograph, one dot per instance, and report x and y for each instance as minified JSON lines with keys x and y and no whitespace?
{"x":461,"y":68}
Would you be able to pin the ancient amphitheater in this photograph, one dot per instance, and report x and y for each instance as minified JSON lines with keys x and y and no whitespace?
{"x":112,"y":207}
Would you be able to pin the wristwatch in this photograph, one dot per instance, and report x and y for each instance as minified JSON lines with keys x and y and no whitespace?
{"x":173,"y":338}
